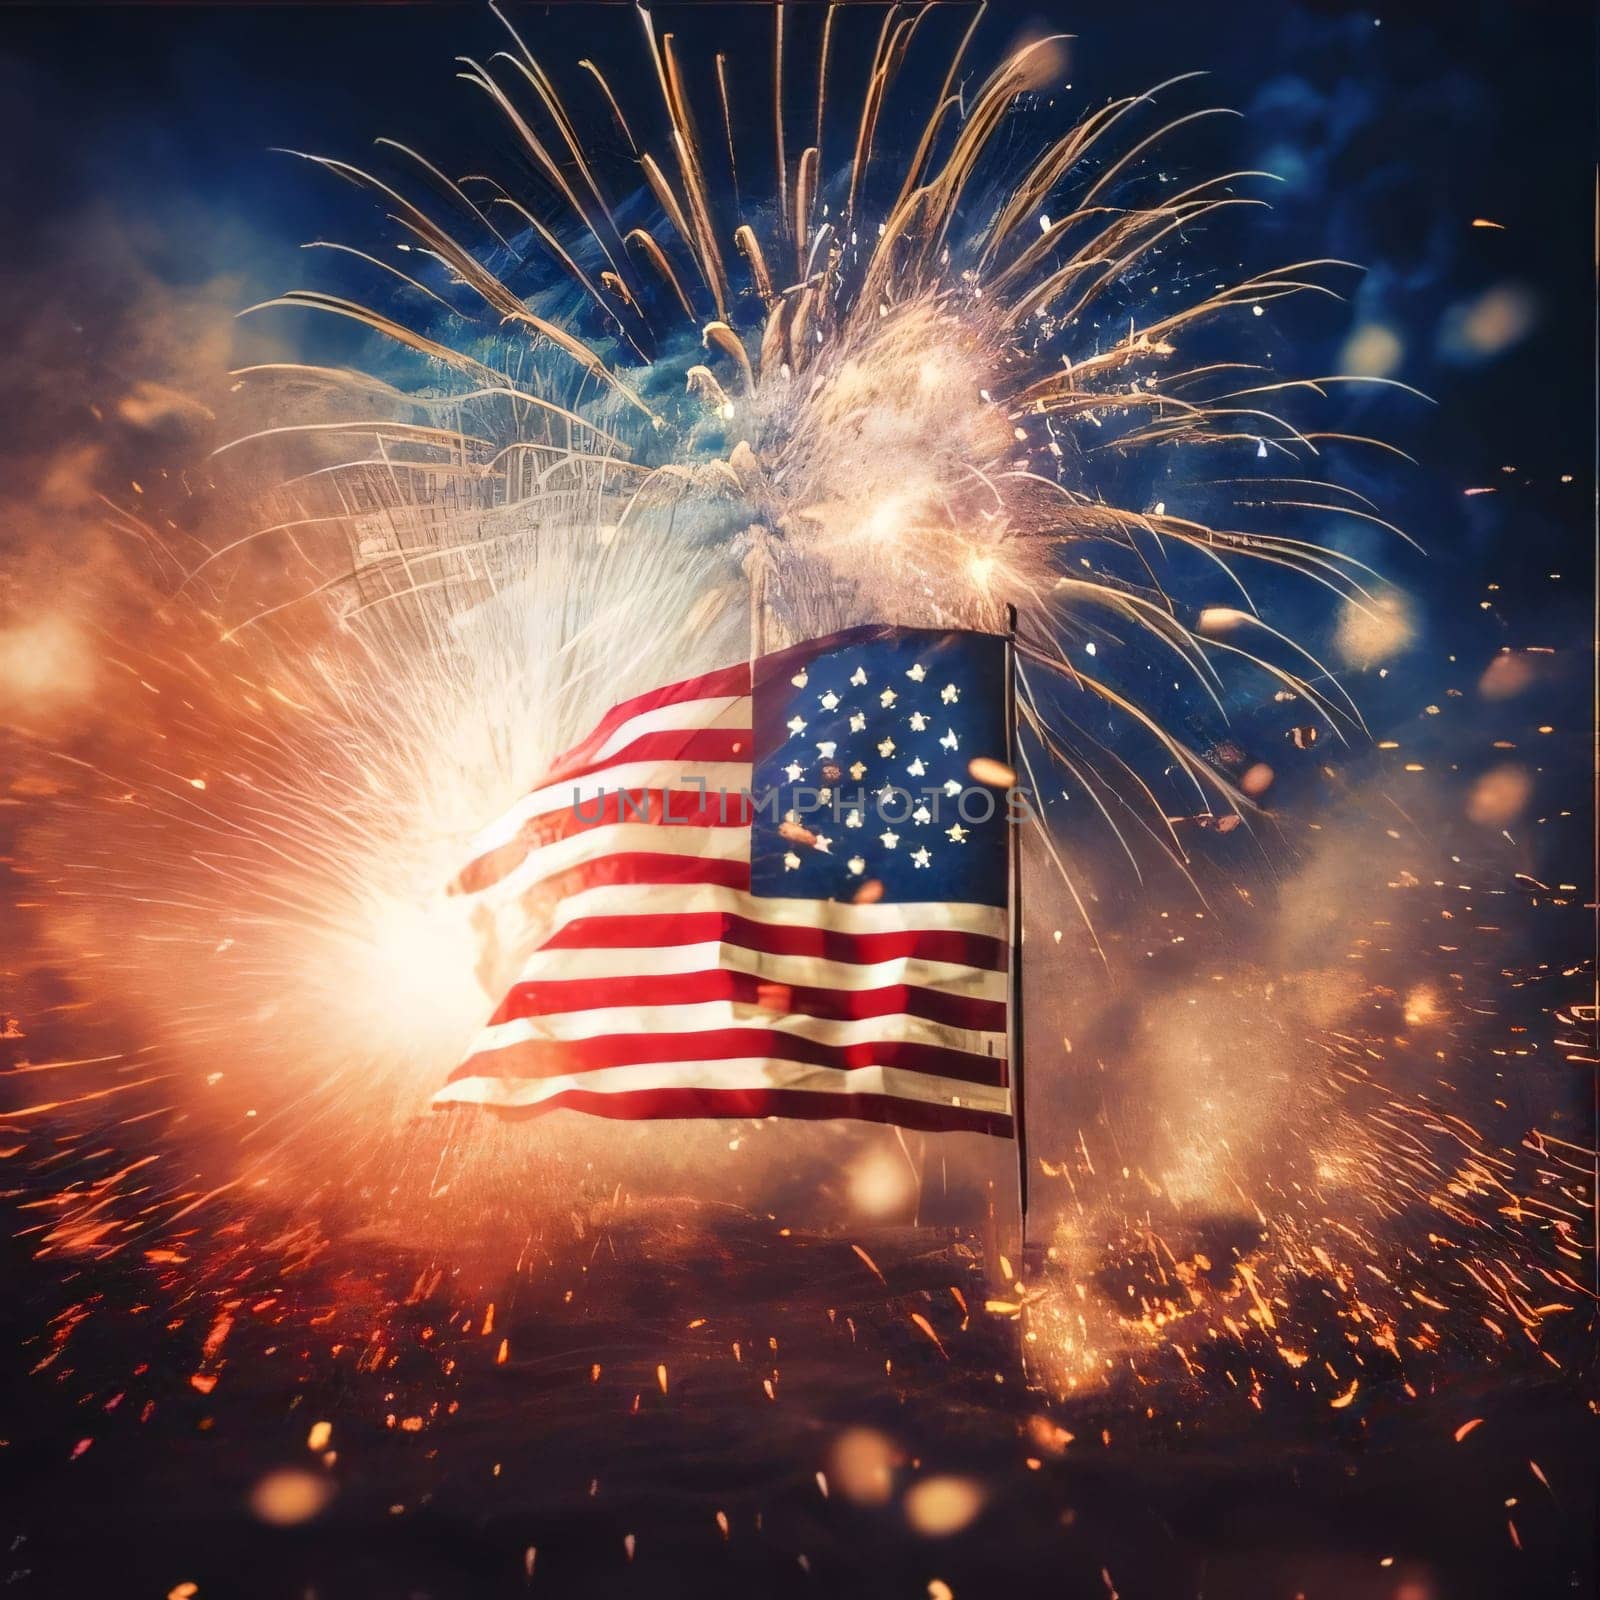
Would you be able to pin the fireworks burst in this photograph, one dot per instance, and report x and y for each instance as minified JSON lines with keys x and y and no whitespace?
{"x":894,"y":395}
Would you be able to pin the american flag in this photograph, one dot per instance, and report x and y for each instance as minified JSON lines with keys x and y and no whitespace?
{"x":773,"y":890}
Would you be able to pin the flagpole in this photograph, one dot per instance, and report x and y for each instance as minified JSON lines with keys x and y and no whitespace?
{"x":756,"y":567}
{"x":1014,"y":964}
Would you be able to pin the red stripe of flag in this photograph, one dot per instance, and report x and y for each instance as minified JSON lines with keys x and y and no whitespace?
{"x":554,"y":996}
{"x":644,"y":867}
{"x":637,"y":1105}
{"x":555,"y":1058}
{"x":667,"y":744}
{"x":708,"y":686}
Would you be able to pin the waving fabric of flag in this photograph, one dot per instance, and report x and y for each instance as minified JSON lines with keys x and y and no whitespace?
{"x":779,"y":889}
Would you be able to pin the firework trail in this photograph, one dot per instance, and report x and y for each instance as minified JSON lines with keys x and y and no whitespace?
{"x":914,"y":393}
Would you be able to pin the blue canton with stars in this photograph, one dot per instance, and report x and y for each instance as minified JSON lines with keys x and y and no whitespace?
{"x":844,"y":722}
